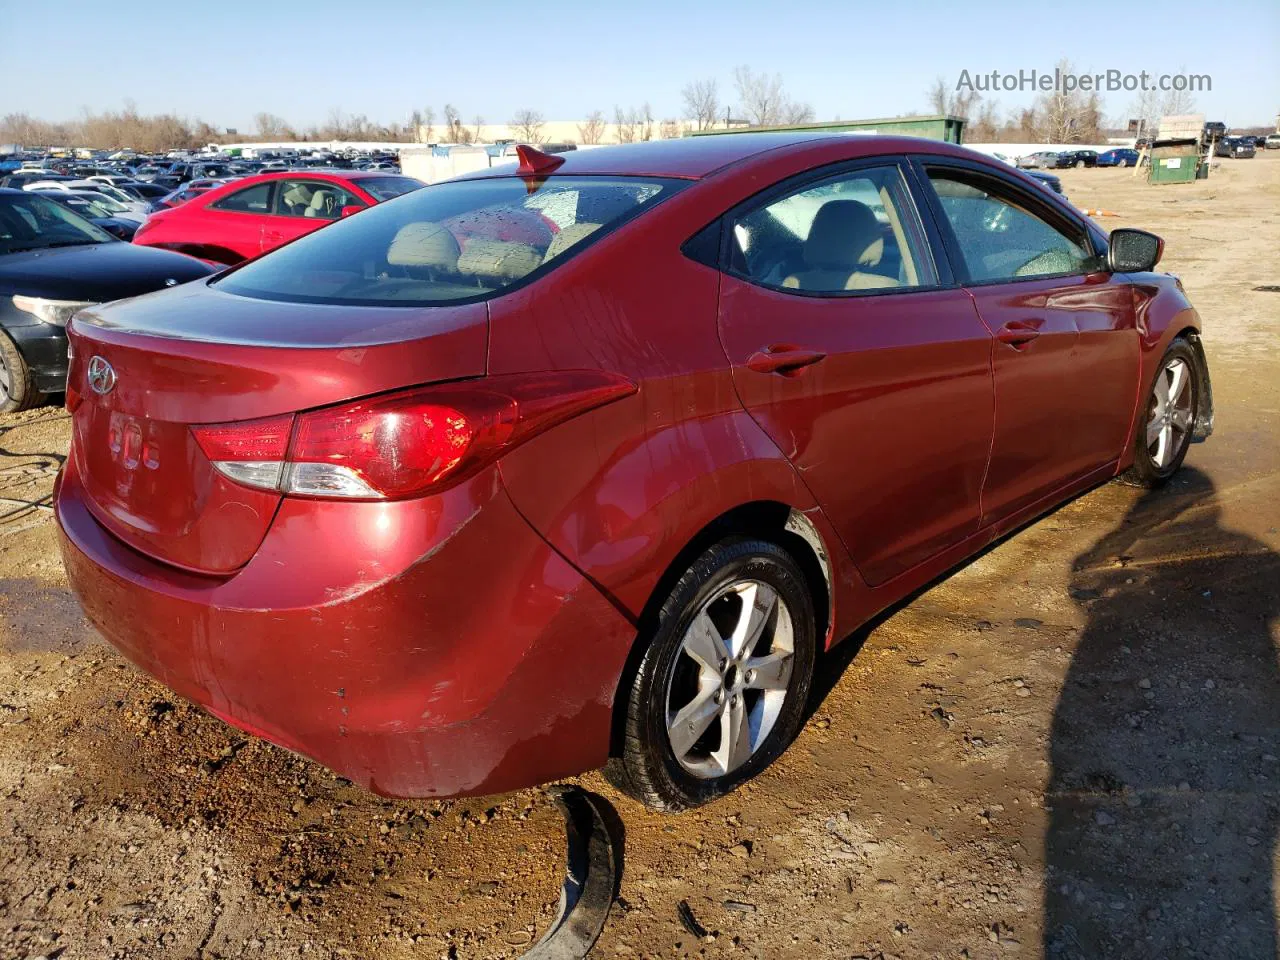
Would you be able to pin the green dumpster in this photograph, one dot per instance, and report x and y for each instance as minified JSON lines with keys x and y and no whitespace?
{"x":1174,"y":161}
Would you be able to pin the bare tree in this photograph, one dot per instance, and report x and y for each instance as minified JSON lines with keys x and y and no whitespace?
{"x":670,"y":129}
{"x":764,"y":102}
{"x":593,"y":130}
{"x":645,"y":115}
{"x":984,"y":127}
{"x":701,"y":103}
{"x":760,"y":96}
{"x":478,"y":123}
{"x":794,"y":112}
{"x":455,"y":130}
{"x":1177,"y":102}
{"x":953,"y":103}
{"x":428,"y":124}
{"x":270,"y":127}
{"x":625,"y":121}
{"x":1069,"y":116}
{"x":527,"y":125}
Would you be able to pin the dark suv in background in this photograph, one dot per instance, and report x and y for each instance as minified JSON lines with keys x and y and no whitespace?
{"x":1240,"y":148}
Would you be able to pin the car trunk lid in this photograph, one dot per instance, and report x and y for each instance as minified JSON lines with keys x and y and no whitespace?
{"x":139,"y":382}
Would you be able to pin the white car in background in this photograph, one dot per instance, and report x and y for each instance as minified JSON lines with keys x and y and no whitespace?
{"x":121,"y":205}
{"x":111,"y":179}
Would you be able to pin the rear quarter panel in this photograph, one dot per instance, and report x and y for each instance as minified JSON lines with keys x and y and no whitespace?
{"x":621,"y":491}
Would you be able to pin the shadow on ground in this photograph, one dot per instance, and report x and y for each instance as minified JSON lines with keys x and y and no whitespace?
{"x":1164,"y":789}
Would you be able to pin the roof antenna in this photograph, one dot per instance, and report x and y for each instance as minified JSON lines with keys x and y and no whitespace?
{"x":533,"y":162}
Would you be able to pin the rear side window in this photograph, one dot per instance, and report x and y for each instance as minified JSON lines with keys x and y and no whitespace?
{"x":1002,"y":238}
{"x":255,"y":199}
{"x":313,"y":199}
{"x":851,"y":232}
{"x":462,"y":240}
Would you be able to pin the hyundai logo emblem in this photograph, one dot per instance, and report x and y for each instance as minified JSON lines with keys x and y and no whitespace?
{"x":102,"y":376}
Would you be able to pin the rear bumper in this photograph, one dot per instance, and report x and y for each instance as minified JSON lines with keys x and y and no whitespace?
{"x":427,"y":648}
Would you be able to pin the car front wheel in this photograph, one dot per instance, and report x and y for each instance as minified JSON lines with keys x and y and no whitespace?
{"x":17,"y":390}
{"x":1164,"y":433}
{"x":722,"y":687}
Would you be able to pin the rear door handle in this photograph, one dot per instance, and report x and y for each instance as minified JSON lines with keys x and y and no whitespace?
{"x":784,"y":359}
{"x":1018,"y":333}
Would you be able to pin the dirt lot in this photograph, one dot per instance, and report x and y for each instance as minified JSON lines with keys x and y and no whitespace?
{"x":1067,"y":749}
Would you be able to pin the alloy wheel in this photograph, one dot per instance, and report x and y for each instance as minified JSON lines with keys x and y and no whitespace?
{"x":730,"y":678}
{"x":1170,"y":416}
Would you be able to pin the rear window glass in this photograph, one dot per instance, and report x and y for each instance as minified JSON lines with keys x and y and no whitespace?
{"x":462,"y":240}
{"x":387,"y":188}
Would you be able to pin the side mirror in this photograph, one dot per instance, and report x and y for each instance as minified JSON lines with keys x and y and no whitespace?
{"x":350,"y":209}
{"x":1133,"y":251}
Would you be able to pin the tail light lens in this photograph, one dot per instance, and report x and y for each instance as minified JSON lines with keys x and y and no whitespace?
{"x":406,"y":444}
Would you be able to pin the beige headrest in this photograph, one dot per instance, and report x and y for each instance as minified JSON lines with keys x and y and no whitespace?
{"x":424,"y":245}
{"x":844,"y":235}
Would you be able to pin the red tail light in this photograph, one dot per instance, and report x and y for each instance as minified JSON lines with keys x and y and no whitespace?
{"x":404,"y":444}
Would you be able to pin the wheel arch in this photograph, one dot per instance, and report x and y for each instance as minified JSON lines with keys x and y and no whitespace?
{"x":770,"y":520}
{"x":1204,"y":413}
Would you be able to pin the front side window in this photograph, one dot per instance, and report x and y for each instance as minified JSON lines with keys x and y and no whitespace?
{"x":851,"y":232}
{"x":255,"y":199}
{"x":458,"y":240}
{"x":308,"y":198}
{"x":999,"y":236}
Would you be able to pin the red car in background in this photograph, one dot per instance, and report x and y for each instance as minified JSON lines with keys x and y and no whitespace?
{"x":585,"y":462}
{"x":239,"y":220}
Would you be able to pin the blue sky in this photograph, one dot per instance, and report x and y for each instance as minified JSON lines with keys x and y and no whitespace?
{"x":227,"y":60}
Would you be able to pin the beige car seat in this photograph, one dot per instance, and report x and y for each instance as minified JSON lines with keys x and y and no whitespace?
{"x":844,"y":237}
{"x":568,"y":237}
{"x":506,"y":259}
{"x":324,"y":203}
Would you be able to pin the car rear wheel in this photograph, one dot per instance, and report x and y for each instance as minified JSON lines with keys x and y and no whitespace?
{"x":1079,"y":164}
{"x":1164,"y":434}
{"x":17,"y":390}
{"x":722,"y":686}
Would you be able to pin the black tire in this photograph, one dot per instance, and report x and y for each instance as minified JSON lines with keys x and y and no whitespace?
{"x":647,"y":769}
{"x":1079,"y":164}
{"x":1123,"y":163}
{"x":17,"y":389}
{"x":1145,"y":472}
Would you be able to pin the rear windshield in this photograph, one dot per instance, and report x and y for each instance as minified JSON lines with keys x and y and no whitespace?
{"x":388,"y":188}
{"x":462,"y":240}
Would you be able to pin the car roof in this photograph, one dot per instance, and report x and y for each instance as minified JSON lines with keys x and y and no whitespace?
{"x":693,"y":158}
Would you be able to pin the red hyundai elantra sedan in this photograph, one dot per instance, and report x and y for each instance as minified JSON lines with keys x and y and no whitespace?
{"x":584,"y":463}
{"x":238,"y":220}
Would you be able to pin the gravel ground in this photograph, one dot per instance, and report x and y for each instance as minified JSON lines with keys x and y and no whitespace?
{"x":1066,"y":749}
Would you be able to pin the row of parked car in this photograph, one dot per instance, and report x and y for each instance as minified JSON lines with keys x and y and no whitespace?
{"x":1063,"y":159}
{"x":1240,"y":148}
{"x":63,"y":243}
